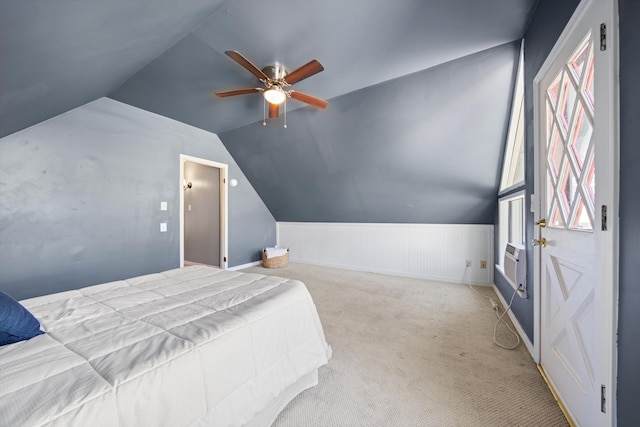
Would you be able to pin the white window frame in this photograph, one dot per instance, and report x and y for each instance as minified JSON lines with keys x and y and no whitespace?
{"x":514,"y":150}
{"x":504,"y":223}
{"x":513,"y":159}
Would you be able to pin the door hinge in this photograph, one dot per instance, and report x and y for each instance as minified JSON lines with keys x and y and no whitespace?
{"x":603,"y":37}
{"x":225,"y":259}
{"x":603,"y":399}
{"x":224,"y":180}
{"x":604,"y":217}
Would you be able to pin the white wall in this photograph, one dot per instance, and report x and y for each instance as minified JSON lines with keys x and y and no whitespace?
{"x":430,"y":251}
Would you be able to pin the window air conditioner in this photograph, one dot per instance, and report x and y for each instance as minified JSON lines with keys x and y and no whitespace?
{"x":515,"y":267}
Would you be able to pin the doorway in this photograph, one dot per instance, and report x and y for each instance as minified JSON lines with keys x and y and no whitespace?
{"x":575,"y":264}
{"x":203,"y":212}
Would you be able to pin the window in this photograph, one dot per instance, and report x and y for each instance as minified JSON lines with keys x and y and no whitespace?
{"x":513,"y":164}
{"x":511,"y":217}
{"x":511,"y":206}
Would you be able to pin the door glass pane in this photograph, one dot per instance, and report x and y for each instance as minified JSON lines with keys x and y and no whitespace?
{"x":556,"y":152}
{"x":580,"y":59}
{"x":567,"y":103}
{"x":581,"y":136}
{"x":570,"y":156}
{"x":565,"y":191}
{"x":581,"y":221}
{"x":556,"y":217}
{"x":588,"y":88}
{"x":590,"y":181}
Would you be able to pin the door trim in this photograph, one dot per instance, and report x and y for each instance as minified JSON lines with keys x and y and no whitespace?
{"x":224,"y":172}
{"x":564,"y":410}
{"x":608,"y":259}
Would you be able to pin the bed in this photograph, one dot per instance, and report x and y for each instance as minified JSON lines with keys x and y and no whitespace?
{"x":197,"y":346}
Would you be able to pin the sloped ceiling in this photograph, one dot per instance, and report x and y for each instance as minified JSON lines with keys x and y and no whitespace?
{"x":56,"y":55}
{"x":168,"y":57}
{"x":359,"y":42}
{"x":423,"y":148}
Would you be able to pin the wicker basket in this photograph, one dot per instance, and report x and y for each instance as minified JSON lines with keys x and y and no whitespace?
{"x":275,"y":262}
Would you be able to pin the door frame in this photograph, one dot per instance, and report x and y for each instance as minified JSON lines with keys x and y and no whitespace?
{"x":224,"y":172}
{"x":608,"y":258}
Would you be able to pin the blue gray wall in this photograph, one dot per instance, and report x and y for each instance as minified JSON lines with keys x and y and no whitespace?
{"x":628,"y":314}
{"x":80,"y":199}
{"x":423,"y":148}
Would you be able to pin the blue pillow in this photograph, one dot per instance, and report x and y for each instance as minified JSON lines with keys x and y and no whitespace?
{"x":16,"y":323}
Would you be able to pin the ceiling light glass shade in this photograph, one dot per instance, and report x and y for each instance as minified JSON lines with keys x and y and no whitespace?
{"x":274,"y":96}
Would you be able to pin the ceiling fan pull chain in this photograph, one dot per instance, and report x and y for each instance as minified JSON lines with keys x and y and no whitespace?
{"x":285,"y":112}
{"x":264,"y":112}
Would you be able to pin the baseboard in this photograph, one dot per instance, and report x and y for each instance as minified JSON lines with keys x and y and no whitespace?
{"x":243,"y":266}
{"x":462,"y":281}
{"x":516,"y":324}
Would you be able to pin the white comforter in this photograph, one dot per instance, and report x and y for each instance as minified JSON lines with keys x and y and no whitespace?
{"x":168,"y":349}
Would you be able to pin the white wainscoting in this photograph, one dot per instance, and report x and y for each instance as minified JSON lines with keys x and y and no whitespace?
{"x":430,"y":251}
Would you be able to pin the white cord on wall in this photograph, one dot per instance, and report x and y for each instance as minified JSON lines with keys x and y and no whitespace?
{"x":496,"y":308}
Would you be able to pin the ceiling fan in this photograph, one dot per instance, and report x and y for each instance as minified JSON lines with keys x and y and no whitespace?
{"x":276,"y":81}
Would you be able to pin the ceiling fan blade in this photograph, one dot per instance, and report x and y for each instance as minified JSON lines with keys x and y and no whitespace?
{"x":237,"y":56}
{"x":307,"y":70}
{"x":226,"y":93}
{"x":308,"y":99}
{"x":274,"y":111}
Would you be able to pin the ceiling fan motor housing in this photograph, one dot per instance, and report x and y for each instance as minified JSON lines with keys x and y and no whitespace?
{"x":276,"y":73}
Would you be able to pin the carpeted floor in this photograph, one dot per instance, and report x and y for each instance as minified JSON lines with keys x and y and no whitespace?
{"x":410,"y":352}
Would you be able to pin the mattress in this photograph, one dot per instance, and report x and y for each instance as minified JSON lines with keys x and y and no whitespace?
{"x":191,"y":346}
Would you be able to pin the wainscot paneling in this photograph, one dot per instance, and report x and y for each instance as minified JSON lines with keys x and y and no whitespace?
{"x":430,"y":251}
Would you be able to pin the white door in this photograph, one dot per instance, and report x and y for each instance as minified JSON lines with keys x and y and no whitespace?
{"x":574,"y":178}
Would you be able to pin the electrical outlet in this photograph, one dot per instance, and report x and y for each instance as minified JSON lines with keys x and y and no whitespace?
{"x":483,"y":264}
{"x":468,"y":263}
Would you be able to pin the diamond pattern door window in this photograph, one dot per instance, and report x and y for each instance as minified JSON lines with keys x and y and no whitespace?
{"x":570,"y":159}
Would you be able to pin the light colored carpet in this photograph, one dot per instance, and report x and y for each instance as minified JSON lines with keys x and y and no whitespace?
{"x":410,"y":352}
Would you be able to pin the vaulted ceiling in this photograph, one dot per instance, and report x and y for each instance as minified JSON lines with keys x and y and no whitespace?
{"x":168,"y":57}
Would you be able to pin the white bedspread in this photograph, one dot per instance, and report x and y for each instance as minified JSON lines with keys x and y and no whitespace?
{"x":168,"y":349}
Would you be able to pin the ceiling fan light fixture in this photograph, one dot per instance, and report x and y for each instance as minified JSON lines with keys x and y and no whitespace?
{"x":275,"y":95}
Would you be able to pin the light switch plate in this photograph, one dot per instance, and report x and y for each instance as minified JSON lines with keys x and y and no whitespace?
{"x":163,"y":206}
{"x":163,"y":227}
